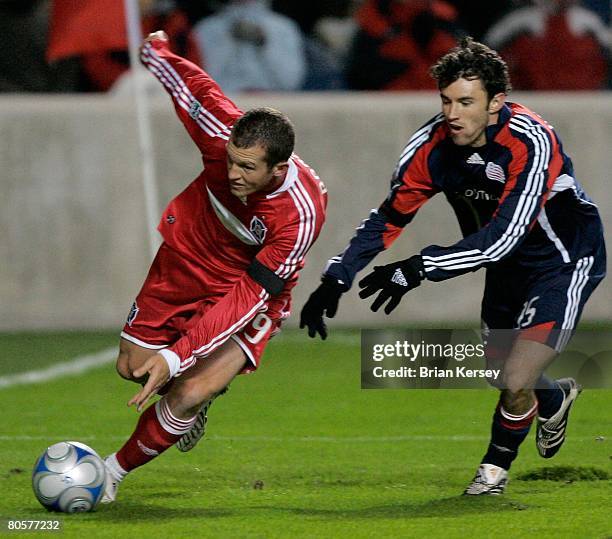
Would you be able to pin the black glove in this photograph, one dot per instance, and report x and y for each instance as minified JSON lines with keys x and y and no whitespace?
{"x":393,"y":281}
{"x":324,"y":300}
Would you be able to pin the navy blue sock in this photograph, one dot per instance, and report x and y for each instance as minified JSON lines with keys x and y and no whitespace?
{"x":507,"y":433}
{"x":549,"y":395}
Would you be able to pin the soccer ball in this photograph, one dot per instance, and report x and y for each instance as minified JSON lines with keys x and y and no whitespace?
{"x":69,"y":477}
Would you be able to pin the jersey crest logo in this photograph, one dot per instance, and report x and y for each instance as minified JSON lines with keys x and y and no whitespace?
{"x":475,"y":159}
{"x":258,"y":229}
{"x":133,"y":314}
{"x":495,"y":172}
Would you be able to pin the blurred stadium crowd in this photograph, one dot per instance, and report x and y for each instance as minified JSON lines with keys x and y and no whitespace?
{"x":290,"y":45}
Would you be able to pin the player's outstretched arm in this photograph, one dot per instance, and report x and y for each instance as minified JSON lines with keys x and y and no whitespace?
{"x":411,"y":187}
{"x":201,"y":105}
{"x":374,"y":235}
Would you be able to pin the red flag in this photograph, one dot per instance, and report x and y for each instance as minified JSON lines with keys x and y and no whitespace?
{"x":80,"y":27}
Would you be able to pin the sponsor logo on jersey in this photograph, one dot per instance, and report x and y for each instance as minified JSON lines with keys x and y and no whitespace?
{"x":475,"y":159}
{"x":258,"y":229}
{"x":133,"y":314}
{"x":495,"y":172}
{"x":479,"y":194}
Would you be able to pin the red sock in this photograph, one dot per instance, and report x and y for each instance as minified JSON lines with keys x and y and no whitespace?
{"x":517,"y":422}
{"x":156,"y":431}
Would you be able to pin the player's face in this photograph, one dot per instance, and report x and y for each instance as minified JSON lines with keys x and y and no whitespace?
{"x":468,"y":111}
{"x":248,"y":171}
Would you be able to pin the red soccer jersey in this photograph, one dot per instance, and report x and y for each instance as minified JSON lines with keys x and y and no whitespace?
{"x":220,"y":232}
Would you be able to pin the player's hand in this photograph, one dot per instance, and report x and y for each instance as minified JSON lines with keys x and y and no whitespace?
{"x":160,"y":35}
{"x":393,"y":281}
{"x":323,"y":301}
{"x":159,"y":372}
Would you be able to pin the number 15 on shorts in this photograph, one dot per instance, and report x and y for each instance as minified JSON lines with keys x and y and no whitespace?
{"x":527,"y":314}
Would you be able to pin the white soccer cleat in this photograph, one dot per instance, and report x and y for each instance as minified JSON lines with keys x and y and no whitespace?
{"x":490,"y":480}
{"x":550,"y":433}
{"x":191,"y":438}
{"x":111,"y":485}
{"x":110,"y":490}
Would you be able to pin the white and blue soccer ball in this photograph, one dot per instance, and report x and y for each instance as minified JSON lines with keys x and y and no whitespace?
{"x":69,"y":477}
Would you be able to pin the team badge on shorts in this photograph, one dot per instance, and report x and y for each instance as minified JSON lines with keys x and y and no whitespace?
{"x":258,"y":229}
{"x":133,"y":314}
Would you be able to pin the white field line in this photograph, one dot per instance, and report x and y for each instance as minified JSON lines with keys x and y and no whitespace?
{"x":81,"y":364}
{"x":75,"y":366}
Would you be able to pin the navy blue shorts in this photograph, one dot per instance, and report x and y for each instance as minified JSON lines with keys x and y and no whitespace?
{"x":540,"y":305}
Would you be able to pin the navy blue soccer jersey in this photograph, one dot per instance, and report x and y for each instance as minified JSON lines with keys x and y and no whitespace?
{"x":516,"y":199}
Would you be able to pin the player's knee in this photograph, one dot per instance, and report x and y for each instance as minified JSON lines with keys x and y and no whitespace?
{"x":131,"y":358}
{"x":514,"y":382}
{"x":189,"y":395}
{"x":126,"y":364}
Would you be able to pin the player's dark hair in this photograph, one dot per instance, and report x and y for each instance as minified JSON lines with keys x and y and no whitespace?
{"x":473,"y":60}
{"x":268,"y":128}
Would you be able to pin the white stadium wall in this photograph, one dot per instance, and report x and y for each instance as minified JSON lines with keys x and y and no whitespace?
{"x":74,"y":247}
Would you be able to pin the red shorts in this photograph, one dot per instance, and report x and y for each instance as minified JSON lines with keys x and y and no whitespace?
{"x":175,"y":296}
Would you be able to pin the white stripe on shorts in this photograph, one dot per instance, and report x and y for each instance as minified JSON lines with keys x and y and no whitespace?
{"x":134,"y":340}
{"x":580,"y":278}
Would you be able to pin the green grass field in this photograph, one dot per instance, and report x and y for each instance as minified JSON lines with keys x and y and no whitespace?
{"x":299,"y":450}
